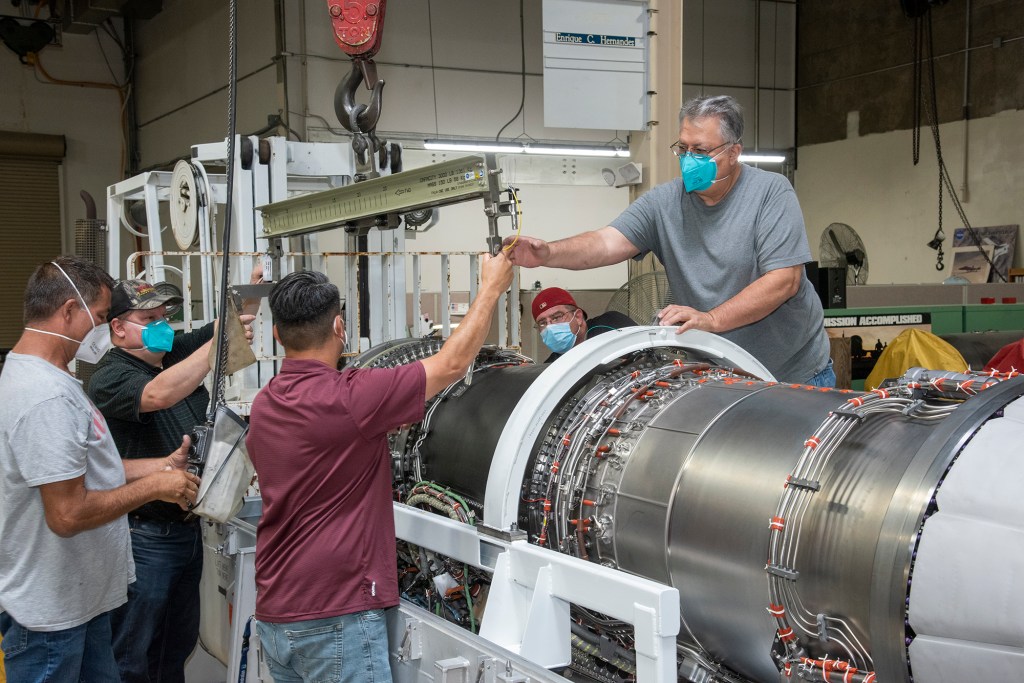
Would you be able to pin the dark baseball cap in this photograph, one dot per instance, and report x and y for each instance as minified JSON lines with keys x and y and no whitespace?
{"x":138,"y":295}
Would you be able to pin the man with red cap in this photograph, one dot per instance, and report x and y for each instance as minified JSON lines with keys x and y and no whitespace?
{"x":563,"y":324}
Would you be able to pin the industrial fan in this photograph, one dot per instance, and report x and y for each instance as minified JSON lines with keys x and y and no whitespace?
{"x":841,"y":247}
{"x":642,"y":297}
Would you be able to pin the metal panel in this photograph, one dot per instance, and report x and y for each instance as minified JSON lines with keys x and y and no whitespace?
{"x":34,"y":146}
{"x":419,"y":640}
{"x":593,"y":48}
{"x":718,"y":536}
{"x":706,"y":404}
{"x":729,"y":43}
{"x":30,"y":233}
{"x":975,"y":533}
{"x":643,"y":498}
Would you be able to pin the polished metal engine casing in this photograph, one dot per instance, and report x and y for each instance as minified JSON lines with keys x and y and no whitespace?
{"x":687,"y":490}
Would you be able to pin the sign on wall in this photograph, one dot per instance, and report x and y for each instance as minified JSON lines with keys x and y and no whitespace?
{"x":997,"y":242}
{"x":595,"y":64}
{"x":870,"y":334}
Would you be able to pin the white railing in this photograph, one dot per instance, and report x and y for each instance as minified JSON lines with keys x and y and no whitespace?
{"x":403,"y":313}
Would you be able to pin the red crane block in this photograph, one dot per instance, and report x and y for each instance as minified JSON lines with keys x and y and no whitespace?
{"x":358,"y":26}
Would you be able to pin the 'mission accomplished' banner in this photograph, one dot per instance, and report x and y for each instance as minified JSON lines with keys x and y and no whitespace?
{"x":879,"y":320}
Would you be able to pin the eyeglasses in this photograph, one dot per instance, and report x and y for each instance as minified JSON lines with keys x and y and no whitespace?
{"x":680,"y":150}
{"x":559,"y":317}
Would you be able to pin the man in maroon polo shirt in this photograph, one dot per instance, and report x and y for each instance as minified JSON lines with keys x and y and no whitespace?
{"x":325,"y":544}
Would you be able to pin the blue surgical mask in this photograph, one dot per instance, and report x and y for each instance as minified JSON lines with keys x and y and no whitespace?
{"x":157,"y":336}
{"x":558,"y":337}
{"x":699,"y":171}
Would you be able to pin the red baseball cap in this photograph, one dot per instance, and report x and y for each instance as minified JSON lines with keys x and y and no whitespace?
{"x":552,"y":296}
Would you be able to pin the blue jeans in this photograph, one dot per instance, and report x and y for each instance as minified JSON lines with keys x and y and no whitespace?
{"x":352,"y":648}
{"x":156,"y":631}
{"x":825,"y":378}
{"x":74,"y":655}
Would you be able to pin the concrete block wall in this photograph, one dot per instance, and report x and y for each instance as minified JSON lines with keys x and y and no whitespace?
{"x":856,"y":56}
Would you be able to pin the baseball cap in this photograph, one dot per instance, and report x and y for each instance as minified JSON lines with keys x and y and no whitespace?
{"x":552,"y":296}
{"x":138,"y":295}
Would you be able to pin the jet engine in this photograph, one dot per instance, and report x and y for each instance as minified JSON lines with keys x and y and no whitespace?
{"x":812,"y":534}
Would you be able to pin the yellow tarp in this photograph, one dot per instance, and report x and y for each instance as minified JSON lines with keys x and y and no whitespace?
{"x":914,"y":348}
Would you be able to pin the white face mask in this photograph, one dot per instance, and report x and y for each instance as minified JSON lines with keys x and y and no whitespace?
{"x":95,"y":343}
{"x":343,"y":335}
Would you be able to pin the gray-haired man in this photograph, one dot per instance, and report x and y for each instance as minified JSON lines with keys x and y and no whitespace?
{"x":733,"y":243}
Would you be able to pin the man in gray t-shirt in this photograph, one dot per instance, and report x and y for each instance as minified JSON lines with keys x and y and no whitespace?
{"x":732,"y":240}
{"x":64,"y":490}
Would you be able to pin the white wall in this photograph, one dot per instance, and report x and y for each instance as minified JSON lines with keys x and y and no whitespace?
{"x":182,"y":72}
{"x":553,"y":209}
{"x":719,"y":58}
{"x":868,"y":182}
{"x":89,"y":118}
{"x":452,"y":68}
{"x":871,"y":184}
{"x":546,"y":211}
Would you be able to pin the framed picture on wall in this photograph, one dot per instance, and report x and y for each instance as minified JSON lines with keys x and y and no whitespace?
{"x":970,"y":263}
{"x":1001,"y":240}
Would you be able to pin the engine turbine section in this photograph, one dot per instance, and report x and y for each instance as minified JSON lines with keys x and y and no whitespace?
{"x":812,"y":534}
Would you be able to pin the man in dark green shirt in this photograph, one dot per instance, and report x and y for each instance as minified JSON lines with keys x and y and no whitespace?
{"x":150,"y":389}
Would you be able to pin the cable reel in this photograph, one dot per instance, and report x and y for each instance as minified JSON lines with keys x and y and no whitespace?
{"x":190,"y":195}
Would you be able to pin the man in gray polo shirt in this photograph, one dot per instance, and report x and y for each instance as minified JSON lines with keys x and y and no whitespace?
{"x":732,"y":240}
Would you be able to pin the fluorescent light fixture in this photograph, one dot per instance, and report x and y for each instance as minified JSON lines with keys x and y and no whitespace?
{"x":765,"y":158}
{"x":524,"y":148}
{"x":578,"y":151}
{"x":468,"y":146}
